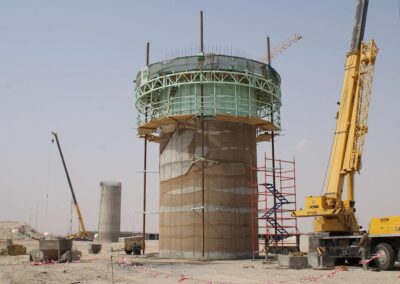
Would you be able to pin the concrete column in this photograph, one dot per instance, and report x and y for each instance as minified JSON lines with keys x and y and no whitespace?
{"x":110,"y":211}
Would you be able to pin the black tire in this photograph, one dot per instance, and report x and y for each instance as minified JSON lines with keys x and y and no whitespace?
{"x":136,"y":251}
{"x":128,"y":251}
{"x":386,"y":261}
{"x":353,"y":261}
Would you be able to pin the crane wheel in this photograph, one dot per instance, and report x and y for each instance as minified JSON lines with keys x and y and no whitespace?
{"x":386,"y":261}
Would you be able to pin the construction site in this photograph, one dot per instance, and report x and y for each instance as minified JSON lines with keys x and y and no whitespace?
{"x":229,"y":167}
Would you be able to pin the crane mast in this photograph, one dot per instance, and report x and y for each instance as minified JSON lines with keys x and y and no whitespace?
{"x":82,"y":234}
{"x":332,"y":212}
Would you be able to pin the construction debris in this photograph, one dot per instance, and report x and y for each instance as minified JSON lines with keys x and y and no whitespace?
{"x":15,"y":249}
{"x":8,"y":248}
{"x":70,"y":256}
{"x":18,"y":231}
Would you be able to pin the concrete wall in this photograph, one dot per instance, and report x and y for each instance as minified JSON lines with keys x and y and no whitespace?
{"x":231,"y":150}
{"x":110,"y":211}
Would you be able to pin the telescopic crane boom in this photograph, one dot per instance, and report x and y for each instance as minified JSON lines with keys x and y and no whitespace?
{"x":82,"y":234}
{"x":332,"y":212}
{"x":335,"y":225}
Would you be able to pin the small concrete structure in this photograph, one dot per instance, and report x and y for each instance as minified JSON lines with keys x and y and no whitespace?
{"x":36,"y":255}
{"x":316,"y":260}
{"x":4,"y":244}
{"x":310,"y":242}
{"x":110,"y":211}
{"x":293,"y":261}
{"x":53,"y":249}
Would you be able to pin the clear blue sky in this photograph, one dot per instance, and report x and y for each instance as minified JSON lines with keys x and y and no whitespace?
{"x":69,"y":65}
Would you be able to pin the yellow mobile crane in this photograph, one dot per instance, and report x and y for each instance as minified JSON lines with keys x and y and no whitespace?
{"x":82,"y":234}
{"x":335,"y":222}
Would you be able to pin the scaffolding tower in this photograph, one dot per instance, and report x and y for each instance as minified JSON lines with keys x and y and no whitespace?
{"x":275,"y":226}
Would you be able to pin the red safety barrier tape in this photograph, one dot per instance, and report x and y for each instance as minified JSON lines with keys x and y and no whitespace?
{"x":316,"y":278}
{"x":45,"y":262}
{"x":375,"y":256}
{"x":122,"y":262}
{"x":182,"y":278}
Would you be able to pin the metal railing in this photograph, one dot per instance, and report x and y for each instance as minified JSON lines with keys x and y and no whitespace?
{"x":226,"y":92}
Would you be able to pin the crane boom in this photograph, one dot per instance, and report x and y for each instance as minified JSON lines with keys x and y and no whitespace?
{"x":332,"y":213}
{"x":283,"y":46}
{"x":82,"y":230}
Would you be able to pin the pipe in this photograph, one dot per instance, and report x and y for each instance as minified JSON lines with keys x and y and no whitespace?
{"x":145,"y":164}
{"x":202,"y":142}
{"x":268,"y":51}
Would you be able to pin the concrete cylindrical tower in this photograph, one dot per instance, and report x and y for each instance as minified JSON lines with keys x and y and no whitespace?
{"x":110,"y":211}
{"x":208,"y":109}
{"x":230,"y":152}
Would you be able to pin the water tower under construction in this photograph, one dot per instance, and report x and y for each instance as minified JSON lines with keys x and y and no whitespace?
{"x":207,"y":112}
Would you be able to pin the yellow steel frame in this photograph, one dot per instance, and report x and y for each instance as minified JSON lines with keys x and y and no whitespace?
{"x":332,"y":213}
{"x":389,"y":225}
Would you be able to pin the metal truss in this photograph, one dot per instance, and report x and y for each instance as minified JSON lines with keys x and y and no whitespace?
{"x":156,"y":98}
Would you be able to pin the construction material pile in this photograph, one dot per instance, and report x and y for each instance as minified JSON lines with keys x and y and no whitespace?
{"x":8,"y":248}
{"x":18,"y":231}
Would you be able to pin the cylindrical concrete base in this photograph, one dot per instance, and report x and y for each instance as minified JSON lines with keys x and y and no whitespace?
{"x":230,"y":153}
{"x":110,"y":211}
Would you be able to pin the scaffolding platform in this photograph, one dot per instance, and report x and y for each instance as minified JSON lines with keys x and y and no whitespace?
{"x":272,"y":206}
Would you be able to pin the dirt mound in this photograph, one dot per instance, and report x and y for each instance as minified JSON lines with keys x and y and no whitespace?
{"x":18,"y":230}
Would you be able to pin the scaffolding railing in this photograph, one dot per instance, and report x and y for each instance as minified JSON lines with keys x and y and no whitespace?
{"x":211,"y":85}
{"x":272,"y":220}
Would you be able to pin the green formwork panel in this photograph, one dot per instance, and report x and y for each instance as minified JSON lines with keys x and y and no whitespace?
{"x":208,"y":84}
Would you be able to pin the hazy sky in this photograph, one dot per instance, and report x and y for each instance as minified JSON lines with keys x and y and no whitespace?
{"x":68,"y":66}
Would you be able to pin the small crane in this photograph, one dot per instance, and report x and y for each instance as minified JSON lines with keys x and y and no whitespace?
{"x":283,"y":46}
{"x":82,"y":234}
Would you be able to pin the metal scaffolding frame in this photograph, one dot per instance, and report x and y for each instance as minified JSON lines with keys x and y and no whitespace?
{"x":218,"y":86}
{"x":280,"y":233}
{"x":258,"y":104}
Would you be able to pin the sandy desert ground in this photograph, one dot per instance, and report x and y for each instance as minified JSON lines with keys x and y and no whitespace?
{"x":151,"y":269}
